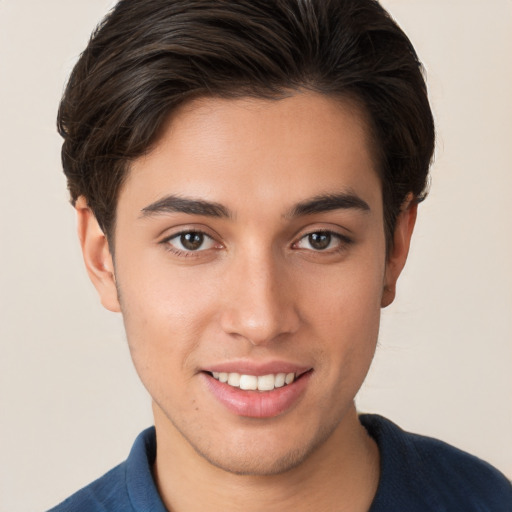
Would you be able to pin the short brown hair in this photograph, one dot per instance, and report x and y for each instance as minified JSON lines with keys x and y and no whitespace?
{"x":149,"y":56}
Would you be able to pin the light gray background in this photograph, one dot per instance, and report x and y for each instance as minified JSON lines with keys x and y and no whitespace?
{"x":70,"y":402}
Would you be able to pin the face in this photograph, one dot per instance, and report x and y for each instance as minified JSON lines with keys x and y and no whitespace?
{"x":250,"y":248}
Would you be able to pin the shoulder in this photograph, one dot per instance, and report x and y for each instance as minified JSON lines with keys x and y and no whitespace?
{"x":129,"y":487}
{"x":105,"y":493}
{"x":432,"y":474}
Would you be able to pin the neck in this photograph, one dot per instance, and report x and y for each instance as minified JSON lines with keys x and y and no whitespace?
{"x":342,"y":474}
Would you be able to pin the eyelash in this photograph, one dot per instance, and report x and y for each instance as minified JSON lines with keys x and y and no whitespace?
{"x":183,"y":252}
{"x":343,"y":242}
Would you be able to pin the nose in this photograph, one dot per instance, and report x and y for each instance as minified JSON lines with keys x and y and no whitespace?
{"x":260,"y":304}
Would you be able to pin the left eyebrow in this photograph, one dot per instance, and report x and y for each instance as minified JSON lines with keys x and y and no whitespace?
{"x":328,"y":202}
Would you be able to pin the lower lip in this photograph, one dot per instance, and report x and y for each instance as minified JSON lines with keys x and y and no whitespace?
{"x":258,"y":404}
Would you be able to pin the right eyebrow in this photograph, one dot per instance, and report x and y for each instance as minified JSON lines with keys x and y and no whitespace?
{"x":172,"y":204}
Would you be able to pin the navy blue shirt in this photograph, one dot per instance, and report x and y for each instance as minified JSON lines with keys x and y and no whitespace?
{"x":418,"y":474}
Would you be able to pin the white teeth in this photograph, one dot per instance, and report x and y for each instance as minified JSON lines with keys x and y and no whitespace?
{"x":280,"y":380}
{"x":248,"y":382}
{"x":234,"y":379}
{"x":252,"y":382}
{"x":266,"y":382}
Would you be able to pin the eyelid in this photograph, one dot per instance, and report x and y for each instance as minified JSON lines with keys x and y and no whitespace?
{"x":183,"y":230}
{"x":343,"y":239}
{"x":333,"y":229}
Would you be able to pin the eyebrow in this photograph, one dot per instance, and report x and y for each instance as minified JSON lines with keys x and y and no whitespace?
{"x":318,"y":204}
{"x":328,"y":202}
{"x":172,"y":204}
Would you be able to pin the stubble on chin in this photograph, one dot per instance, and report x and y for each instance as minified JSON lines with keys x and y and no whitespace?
{"x":242,"y":461}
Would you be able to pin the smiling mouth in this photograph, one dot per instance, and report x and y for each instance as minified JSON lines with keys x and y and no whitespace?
{"x":256,"y":383}
{"x":264,"y":395}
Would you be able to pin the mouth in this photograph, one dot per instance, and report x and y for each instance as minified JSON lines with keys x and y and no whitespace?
{"x":265,"y":395}
{"x":247,"y":382}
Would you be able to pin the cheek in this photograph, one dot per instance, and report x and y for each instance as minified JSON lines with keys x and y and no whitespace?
{"x":349,"y":295}
{"x":345,"y":313}
{"x":164,"y":316}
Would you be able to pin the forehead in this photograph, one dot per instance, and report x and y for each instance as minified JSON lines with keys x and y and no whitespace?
{"x":258,"y":152}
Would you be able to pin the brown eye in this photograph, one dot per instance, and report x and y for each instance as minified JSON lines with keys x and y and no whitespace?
{"x":319,"y":241}
{"x":192,"y":241}
{"x":327,"y":241}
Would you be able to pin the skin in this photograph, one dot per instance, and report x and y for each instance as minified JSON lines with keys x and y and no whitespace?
{"x":257,"y":290}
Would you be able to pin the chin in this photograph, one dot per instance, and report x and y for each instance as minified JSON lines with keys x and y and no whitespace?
{"x":254,"y":464}
{"x":265,"y":456}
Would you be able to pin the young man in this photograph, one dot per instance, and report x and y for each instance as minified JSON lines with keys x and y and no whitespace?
{"x":246,"y":177}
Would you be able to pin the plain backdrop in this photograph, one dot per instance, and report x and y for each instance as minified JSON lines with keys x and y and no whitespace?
{"x":71,"y":404}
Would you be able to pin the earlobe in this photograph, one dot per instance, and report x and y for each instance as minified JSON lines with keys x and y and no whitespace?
{"x":398,"y":253}
{"x":96,"y":253}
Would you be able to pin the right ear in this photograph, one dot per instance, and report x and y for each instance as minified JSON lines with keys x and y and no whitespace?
{"x":97,"y":258}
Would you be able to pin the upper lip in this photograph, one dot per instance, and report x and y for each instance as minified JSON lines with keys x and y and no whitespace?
{"x":257,"y":368}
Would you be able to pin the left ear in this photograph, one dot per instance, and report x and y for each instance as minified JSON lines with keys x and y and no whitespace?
{"x":398,"y":253}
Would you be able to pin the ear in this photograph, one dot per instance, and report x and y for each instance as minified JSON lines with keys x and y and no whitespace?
{"x":398,"y":253}
{"x":98,"y":260}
